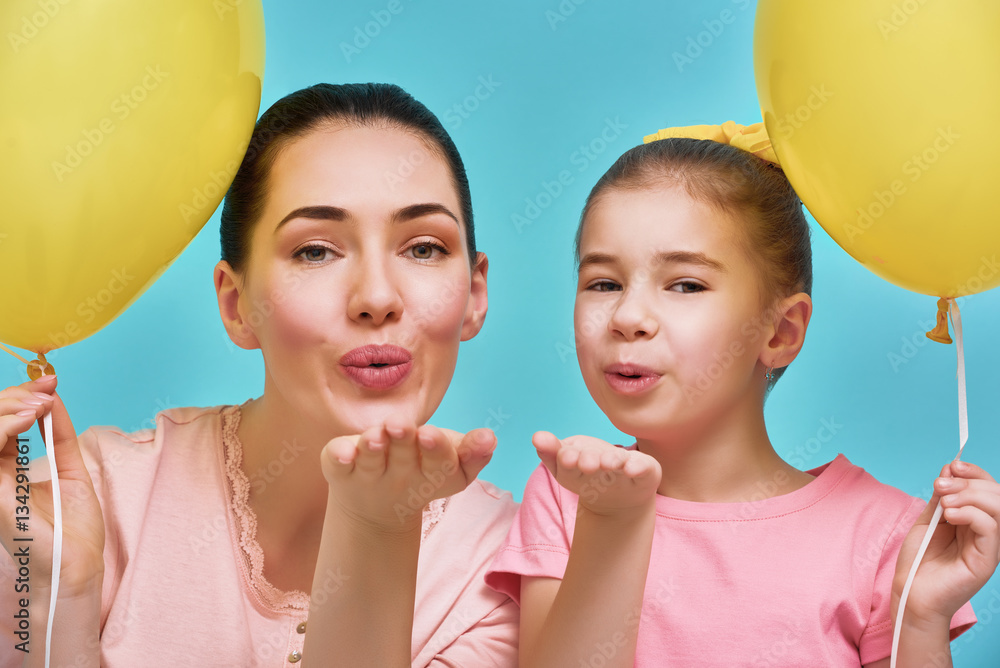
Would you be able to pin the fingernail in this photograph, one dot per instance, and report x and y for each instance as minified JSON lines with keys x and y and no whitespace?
{"x":961,"y":466}
{"x":43,"y":396}
{"x":46,"y":377}
{"x":31,"y":402}
{"x":25,"y":413}
{"x":395,"y":432}
{"x":944,"y":483}
{"x":483,"y":438}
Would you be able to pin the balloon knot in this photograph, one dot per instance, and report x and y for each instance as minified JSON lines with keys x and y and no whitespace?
{"x":40,"y":367}
{"x":940,"y":331}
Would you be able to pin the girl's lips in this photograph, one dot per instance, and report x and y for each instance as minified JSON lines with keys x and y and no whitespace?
{"x":377,"y":367}
{"x":630,"y":379}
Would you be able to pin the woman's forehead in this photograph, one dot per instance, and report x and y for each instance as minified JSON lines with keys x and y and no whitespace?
{"x":360,"y":169}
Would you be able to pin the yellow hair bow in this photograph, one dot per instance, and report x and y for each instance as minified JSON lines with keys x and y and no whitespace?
{"x":751,"y":138}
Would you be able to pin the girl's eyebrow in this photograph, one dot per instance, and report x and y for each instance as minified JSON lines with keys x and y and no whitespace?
{"x":662,"y":257}
{"x":690,"y":257}
{"x":335,"y":213}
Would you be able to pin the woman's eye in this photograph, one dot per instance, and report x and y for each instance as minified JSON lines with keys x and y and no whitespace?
{"x":426,"y":251}
{"x":604,"y":286}
{"x":315,"y":254}
{"x":695,"y":287}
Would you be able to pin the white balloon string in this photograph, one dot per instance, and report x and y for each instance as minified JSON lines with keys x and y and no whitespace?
{"x":3,"y":347}
{"x":963,"y":436}
{"x":56,"y":533}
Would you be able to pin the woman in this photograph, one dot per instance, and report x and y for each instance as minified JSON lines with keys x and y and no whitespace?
{"x":349,"y":260}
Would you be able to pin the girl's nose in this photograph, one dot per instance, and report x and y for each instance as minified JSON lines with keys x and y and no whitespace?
{"x":375,"y":297}
{"x":631,"y":318}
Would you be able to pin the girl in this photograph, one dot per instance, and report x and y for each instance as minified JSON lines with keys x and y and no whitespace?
{"x":699,"y":545}
{"x":357,"y":289}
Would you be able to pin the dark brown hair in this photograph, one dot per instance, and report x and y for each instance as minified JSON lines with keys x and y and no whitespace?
{"x":301,"y":112}
{"x":771,"y":228}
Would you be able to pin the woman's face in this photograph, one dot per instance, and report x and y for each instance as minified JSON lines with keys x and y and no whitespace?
{"x":358,"y":288}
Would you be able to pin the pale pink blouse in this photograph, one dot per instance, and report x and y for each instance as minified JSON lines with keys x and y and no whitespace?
{"x":184,"y":581}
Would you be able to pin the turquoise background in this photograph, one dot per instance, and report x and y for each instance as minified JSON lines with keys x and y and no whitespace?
{"x":555,"y":86}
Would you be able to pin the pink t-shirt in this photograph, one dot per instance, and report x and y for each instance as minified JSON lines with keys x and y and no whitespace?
{"x":183,"y":581}
{"x":802,"y":579}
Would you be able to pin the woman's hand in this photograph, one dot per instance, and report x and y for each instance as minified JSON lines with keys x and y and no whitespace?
{"x":82,"y":561}
{"x":608,"y":479}
{"x":963,"y":553}
{"x":386,"y":476}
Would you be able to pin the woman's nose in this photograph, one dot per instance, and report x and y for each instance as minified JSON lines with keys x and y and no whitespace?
{"x":375,"y":297}
{"x":631,"y":317}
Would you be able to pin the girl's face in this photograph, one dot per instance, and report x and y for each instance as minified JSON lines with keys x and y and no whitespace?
{"x":358,"y":287}
{"x":667,"y":319}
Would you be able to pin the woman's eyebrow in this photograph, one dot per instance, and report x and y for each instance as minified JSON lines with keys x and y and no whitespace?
{"x":315,"y":212}
{"x":419,"y":210}
{"x":335,"y":213}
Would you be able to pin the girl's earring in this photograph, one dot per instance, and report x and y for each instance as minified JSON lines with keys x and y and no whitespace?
{"x":769,"y":374}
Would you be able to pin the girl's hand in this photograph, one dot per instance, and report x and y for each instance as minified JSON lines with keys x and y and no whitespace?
{"x":963,"y":553}
{"x":386,"y":476}
{"x":82,"y":561}
{"x":608,"y":479}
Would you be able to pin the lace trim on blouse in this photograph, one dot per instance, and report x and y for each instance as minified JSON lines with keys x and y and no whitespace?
{"x":246,"y":521}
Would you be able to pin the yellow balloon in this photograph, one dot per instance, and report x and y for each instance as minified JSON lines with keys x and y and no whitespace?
{"x":122,"y":125}
{"x":882,"y":113}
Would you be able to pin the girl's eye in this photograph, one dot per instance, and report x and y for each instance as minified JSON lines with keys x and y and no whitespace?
{"x":604,"y":286}
{"x":695,"y":287}
{"x":426,"y":250}
{"x":314,"y":254}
